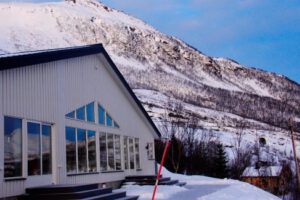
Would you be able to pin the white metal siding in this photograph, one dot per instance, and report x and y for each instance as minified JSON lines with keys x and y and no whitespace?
{"x":46,"y":92}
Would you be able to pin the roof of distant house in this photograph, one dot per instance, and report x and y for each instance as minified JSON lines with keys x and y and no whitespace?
{"x":23,"y":59}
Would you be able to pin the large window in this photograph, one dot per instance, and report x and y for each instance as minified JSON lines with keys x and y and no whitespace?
{"x":110,"y":152}
{"x":80,"y":150}
{"x":39,"y":148}
{"x":12,"y":147}
{"x":131,"y":149}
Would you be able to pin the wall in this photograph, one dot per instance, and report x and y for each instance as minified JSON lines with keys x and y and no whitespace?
{"x":47,"y":92}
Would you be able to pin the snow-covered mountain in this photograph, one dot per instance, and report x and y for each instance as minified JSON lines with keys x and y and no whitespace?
{"x":219,"y":92}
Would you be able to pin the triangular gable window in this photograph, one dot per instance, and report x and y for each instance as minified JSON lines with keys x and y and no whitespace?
{"x":84,"y":113}
{"x":87,"y":113}
{"x":105,"y":119}
{"x":71,"y":115}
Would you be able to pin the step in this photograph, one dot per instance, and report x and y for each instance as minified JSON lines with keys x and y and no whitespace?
{"x":72,"y":195}
{"x":141,"y":177}
{"x":171,"y":182}
{"x":181,"y":184}
{"x":148,"y":180}
{"x":128,"y":198}
{"x":110,"y":196}
{"x":61,"y":188}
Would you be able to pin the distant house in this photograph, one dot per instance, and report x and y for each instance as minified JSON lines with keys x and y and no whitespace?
{"x":270,"y":178}
{"x":67,"y":116}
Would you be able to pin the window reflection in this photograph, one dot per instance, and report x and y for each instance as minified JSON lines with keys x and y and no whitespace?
{"x":103,"y":152}
{"x":90,"y":116}
{"x":34,"y":148}
{"x":131,"y":153}
{"x":80,"y":113}
{"x":71,"y":115}
{"x":12,"y":147}
{"x":92,"y":151}
{"x":101,"y":115}
{"x":118,"y":152}
{"x":71,"y":149}
{"x":81,"y":148}
{"x":137,"y":153}
{"x":108,"y":120}
{"x":125,"y":146}
{"x":46,"y":149}
{"x":110,"y":151}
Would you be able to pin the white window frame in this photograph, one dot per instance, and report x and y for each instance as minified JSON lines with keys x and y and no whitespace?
{"x":87,"y":153}
{"x":41,"y":146}
{"x":114,"y":150}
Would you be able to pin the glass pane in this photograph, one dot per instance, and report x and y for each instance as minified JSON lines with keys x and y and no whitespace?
{"x":131,"y":153}
{"x":116,"y":125}
{"x":12,"y":147}
{"x":150,"y":151}
{"x":46,"y":149}
{"x":118,"y":152}
{"x":103,"y":152}
{"x":108,"y":120}
{"x":137,"y":153}
{"x":110,"y":152}
{"x":34,"y":148}
{"x":81,"y":149}
{"x":125,"y":144}
{"x":80,"y":113}
{"x":101,"y":115}
{"x":90,"y":116}
{"x":92,"y":151}
{"x":71,"y":149}
{"x":71,"y":115}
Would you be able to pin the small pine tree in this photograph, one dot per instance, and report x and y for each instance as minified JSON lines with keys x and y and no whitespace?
{"x":220,"y":164}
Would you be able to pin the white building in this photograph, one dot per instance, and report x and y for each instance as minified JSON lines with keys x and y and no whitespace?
{"x":67,"y":116}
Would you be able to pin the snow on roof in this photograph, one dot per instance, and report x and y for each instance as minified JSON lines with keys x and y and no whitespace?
{"x":270,"y":171}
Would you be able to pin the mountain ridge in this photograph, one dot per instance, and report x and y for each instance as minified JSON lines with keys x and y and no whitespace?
{"x":159,"y":68}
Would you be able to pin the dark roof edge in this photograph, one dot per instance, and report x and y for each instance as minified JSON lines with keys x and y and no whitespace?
{"x":21,"y":59}
{"x":116,"y":70}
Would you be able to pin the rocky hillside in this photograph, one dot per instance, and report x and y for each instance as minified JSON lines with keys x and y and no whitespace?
{"x":219,"y":92}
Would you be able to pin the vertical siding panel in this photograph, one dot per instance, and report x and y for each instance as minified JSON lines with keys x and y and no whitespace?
{"x":1,"y":136}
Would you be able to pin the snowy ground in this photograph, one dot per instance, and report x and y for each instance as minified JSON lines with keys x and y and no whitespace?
{"x":201,"y":188}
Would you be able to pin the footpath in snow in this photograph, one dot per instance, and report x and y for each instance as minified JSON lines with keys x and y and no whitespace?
{"x":201,"y":188}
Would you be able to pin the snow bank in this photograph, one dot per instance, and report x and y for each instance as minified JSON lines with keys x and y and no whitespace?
{"x":201,"y":188}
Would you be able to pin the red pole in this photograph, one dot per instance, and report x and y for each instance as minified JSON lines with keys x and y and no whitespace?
{"x":160,"y":168}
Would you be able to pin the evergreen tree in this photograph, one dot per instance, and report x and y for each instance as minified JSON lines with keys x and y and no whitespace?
{"x":221,"y":170}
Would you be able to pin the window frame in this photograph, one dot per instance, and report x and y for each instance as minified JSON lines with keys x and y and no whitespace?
{"x":96,"y":106}
{"x":86,"y":151}
{"x":134,"y":153}
{"x":41,"y":124}
{"x":152,"y":152}
{"x":23,"y":150}
{"x":114,"y":135}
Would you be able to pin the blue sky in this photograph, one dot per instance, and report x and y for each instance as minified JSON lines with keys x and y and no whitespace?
{"x":257,"y":33}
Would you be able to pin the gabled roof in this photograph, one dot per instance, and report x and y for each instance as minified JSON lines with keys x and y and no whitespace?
{"x":265,"y":171}
{"x":23,"y":59}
